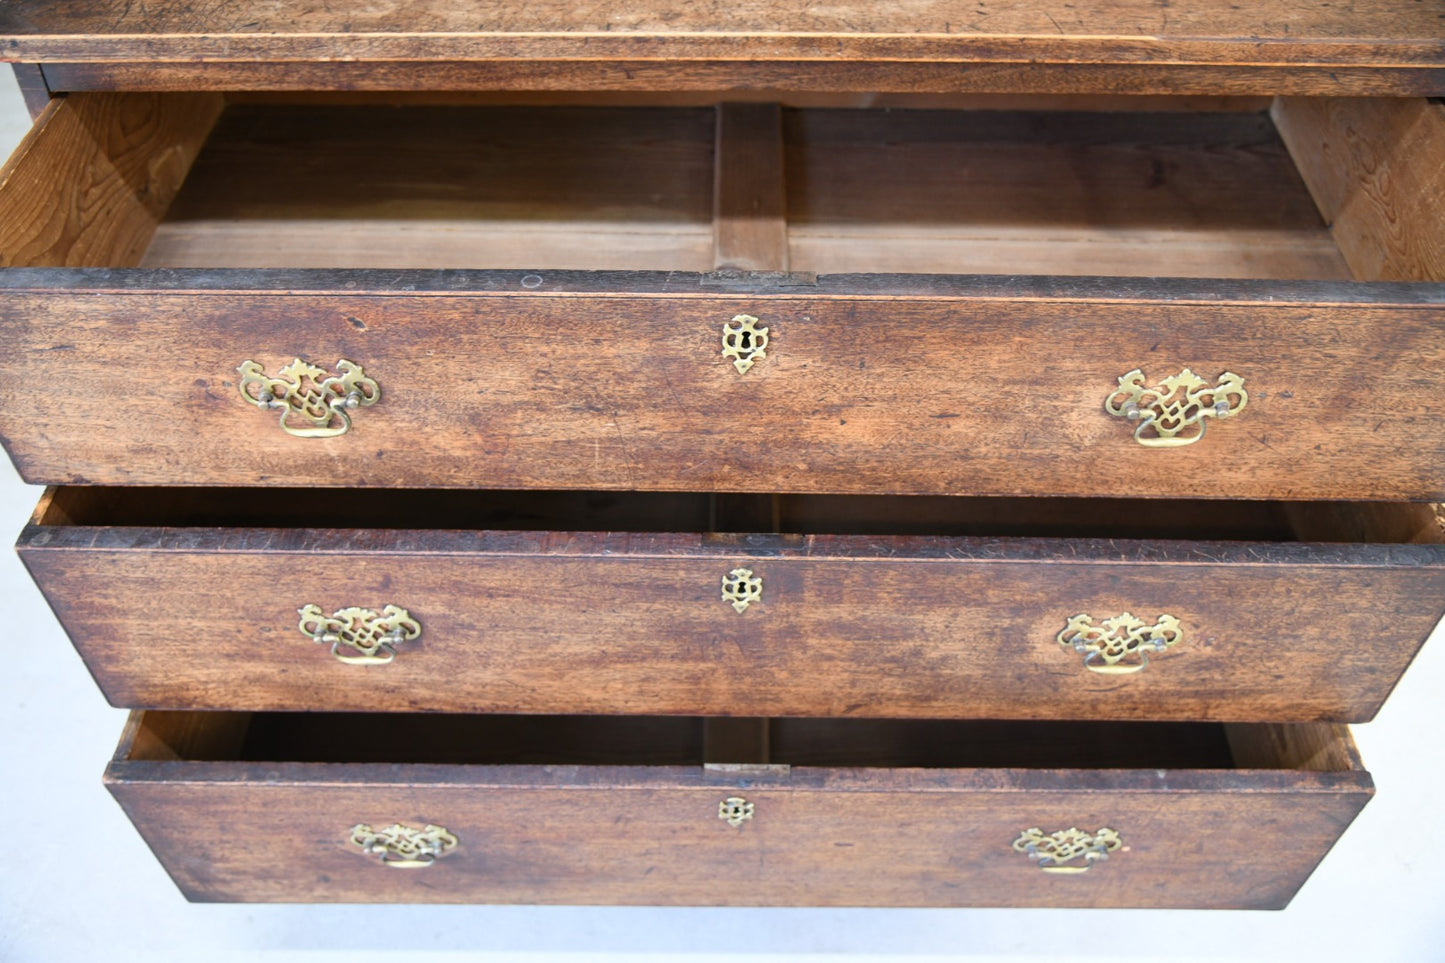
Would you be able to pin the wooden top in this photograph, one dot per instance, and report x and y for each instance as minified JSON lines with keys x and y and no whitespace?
{"x":1371,"y":34}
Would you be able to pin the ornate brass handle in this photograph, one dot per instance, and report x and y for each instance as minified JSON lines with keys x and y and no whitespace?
{"x":359,"y":636}
{"x":744,"y":342}
{"x":402,"y":847}
{"x":1174,"y":413}
{"x":312,"y":403}
{"x":1119,"y":645}
{"x":735,"y":810}
{"x":1057,"y":852}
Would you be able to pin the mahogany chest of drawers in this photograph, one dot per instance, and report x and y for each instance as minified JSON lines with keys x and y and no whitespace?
{"x":875,"y":461}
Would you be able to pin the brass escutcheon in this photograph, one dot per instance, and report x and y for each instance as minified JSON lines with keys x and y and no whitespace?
{"x":735,"y":810}
{"x":402,"y":847}
{"x":1174,"y":413}
{"x":312,"y":403}
{"x":1056,"y":853}
{"x":745,"y":343}
{"x":1119,"y":645}
{"x":741,"y":588}
{"x":359,"y":636}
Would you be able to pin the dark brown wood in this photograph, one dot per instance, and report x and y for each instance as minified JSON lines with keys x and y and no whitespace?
{"x":750,"y":216}
{"x":92,"y":179}
{"x":1335,"y":43}
{"x":279,"y":831}
{"x":31,"y":79}
{"x":1372,"y":166}
{"x":612,"y":391}
{"x":723,"y":81}
{"x":581,"y":620}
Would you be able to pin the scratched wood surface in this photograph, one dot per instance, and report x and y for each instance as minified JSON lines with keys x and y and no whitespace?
{"x":521,"y":387}
{"x":1153,"y":40}
{"x":567,"y":614}
{"x":829,"y":836}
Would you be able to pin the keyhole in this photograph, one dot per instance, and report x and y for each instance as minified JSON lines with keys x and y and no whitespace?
{"x":746,"y":340}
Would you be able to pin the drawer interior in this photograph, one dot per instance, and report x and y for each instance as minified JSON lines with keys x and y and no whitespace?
{"x":681,"y":741}
{"x":1156,"y":192}
{"x":704,"y":513}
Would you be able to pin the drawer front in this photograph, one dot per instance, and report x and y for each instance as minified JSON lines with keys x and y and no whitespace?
{"x":952,"y":627}
{"x":949,"y":392}
{"x":690,"y":836}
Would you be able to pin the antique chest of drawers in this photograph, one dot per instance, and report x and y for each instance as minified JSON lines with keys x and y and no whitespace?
{"x":874,"y":459}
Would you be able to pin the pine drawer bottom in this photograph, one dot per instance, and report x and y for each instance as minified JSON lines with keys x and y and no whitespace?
{"x":687,"y":811}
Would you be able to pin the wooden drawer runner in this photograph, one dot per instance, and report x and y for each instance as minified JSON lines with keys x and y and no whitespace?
{"x":591,"y":354}
{"x":614,"y":603}
{"x":630,"y":810}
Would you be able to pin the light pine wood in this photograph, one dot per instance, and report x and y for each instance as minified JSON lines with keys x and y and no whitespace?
{"x":824,"y":835}
{"x":1316,"y":748}
{"x":448,"y":187}
{"x":95,"y":175}
{"x":749,"y":194}
{"x":1001,"y":193}
{"x":1377,"y":171}
{"x":558,"y":615}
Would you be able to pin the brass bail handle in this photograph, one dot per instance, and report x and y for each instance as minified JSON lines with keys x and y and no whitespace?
{"x":1119,"y":645}
{"x":1069,"y":851}
{"x":1174,"y":413}
{"x":359,"y":636}
{"x":404,"y":847}
{"x":313,"y":403}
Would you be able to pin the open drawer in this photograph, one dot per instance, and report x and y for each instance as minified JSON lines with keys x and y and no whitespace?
{"x":313,"y":807}
{"x":650,"y":603}
{"x":742,"y":298}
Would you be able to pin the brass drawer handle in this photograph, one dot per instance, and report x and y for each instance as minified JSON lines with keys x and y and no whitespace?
{"x":1173,"y":414}
{"x":735,"y":810}
{"x":313,"y":404}
{"x":1056,"y":852}
{"x":402,"y":847}
{"x":1119,"y":645}
{"x":359,"y":636}
{"x":741,"y":588}
{"x":744,"y":343}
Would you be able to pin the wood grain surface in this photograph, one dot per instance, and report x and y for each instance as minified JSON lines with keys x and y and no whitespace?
{"x":513,"y":385}
{"x":1367,"y":33}
{"x":1373,"y":167}
{"x":278,"y":831}
{"x":873,"y":624}
{"x":724,"y":80}
{"x":92,"y":179}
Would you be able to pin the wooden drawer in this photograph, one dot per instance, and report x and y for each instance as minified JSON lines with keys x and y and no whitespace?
{"x":613,"y":602}
{"x":161,"y":246}
{"x":628,"y":810}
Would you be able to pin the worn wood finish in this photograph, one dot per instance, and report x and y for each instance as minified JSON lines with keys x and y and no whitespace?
{"x":1374,"y":167}
{"x":32,"y":87}
{"x":868,"y":625}
{"x":750,"y":225}
{"x":616,"y":391}
{"x":723,"y":80}
{"x":278,"y":831}
{"x":94,"y":176}
{"x":1049,"y":193}
{"x":448,"y":187}
{"x":1362,"y":38}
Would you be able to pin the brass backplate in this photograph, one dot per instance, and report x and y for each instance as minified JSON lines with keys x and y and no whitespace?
{"x":1119,"y":645}
{"x":1174,"y":413}
{"x":313,"y":403}
{"x":402,"y":847}
{"x":1069,"y":850}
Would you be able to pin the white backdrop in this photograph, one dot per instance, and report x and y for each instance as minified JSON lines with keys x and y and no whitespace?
{"x":77,"y":883}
